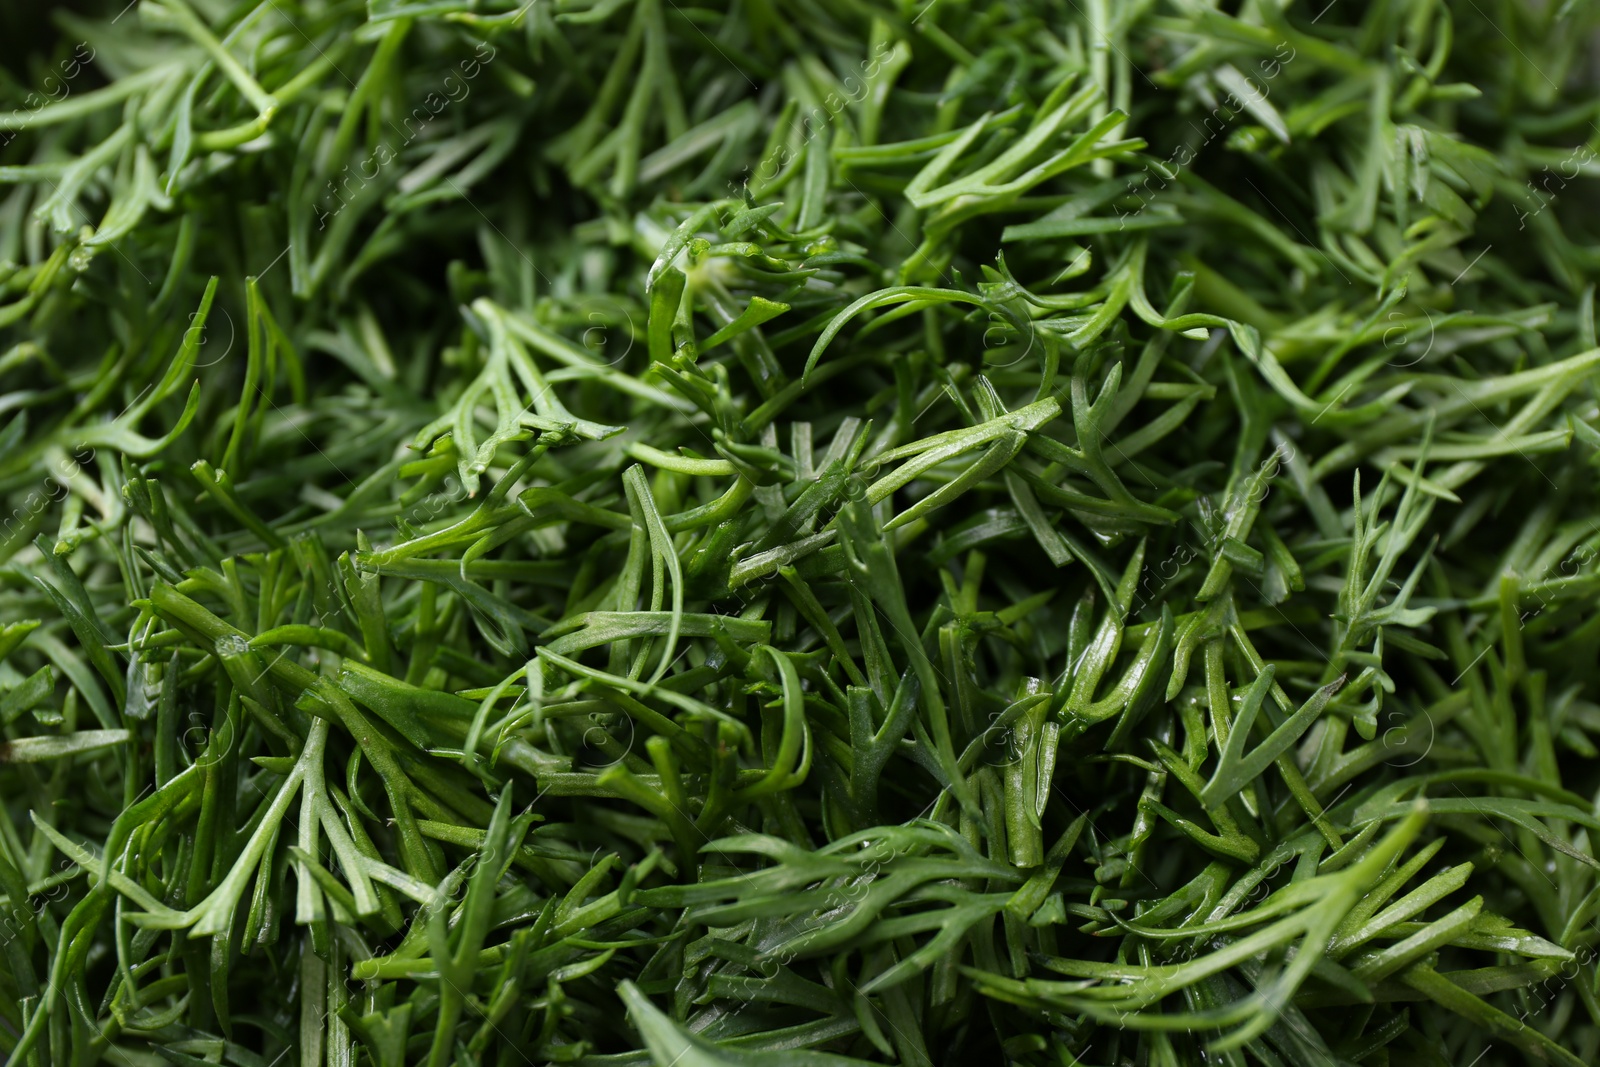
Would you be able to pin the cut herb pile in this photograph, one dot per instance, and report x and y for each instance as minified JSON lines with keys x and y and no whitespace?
{"x":821,"y":532}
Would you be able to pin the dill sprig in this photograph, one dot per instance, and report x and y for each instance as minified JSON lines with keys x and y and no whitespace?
{"x":809,"y":533}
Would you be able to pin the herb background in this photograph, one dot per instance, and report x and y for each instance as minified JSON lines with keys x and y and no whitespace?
{"x":805,"y":532}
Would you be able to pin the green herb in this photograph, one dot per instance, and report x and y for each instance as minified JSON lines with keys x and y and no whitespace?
{"x":800,"y":534}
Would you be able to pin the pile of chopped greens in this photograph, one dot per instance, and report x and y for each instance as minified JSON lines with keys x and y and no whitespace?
{"x":799,"y":533}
